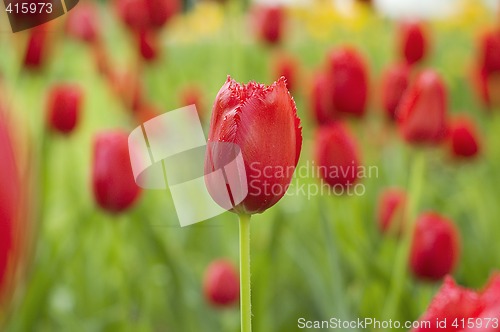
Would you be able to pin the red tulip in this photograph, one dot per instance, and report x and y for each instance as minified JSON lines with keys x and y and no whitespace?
{"x":269,"y":23}
{"x":392,"y":204}
{"x":337,"y":155}
{"x":83,"y":23}
{"x":64,"y":106}
{"x":413,"y":42}
{"x":128,"y":88}
{"x":487,"y":72}
{"x":394,"y":83}
{"x":221,"y":284}
{"x":114,"y":186}
{"x":349,"y":76}
{"x":34,"y":56}
{"x":464,"y":310}
{"x":435,"y":247}
{"x":464,"y":138}
{"x":287,"y":66}
{"x":148,"y":45}
{"x":321,"y":101}
{"x":262,"y":121}
{"x":139,"y":15}
{"x":9,"y":204}
{"x":422,"y":112}
{"x":145,"y":113}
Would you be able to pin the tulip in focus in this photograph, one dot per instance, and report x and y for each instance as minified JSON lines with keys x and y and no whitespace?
{"x":221,"y":284}
{"x":269,"y":23}
{"x":459,"y":306}
{"x":392,"y":204}
{"x":464,"y":138}
{"x":422,"y":112}
{"x":349,"y":81}
{"x":337,"y":155}
{"x":413,"y":42}
{"x":435,"y":248}
{"x":114,"y":186}
{"x":394,"y":83}
{"x":262,"y":121}
{"x":64,"y":106}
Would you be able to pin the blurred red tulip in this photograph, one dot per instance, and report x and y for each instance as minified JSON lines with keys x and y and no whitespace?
{"x":464,"y":310}
{"x":392,"y":204}
{"x":413,"y":42}
{"x":321,"y":101}
{"x":349,"y":78}
{"x":221,"y":284}
{"x":10,"y":196}
{"x":487,"y":71}
{"x":34,"y":56}
{"x":422,"y":112}
{"x":139,"y":15}
{"x":262,"y":121}
{"x":464,"y":138}
{"x":395,"y":81}
{"x":269,"y":23}
{"x":114,"y":186}
{"x":337,"y":155}
{"x":128,"y":88}
{"x":288,"y":67}
{"x":83,"y":23}
{"x":148,"y":45}
{"x":145,"y":113}
{"x":64,"y":104}
{"x":193,"y":95}
{"x":435,"y":248}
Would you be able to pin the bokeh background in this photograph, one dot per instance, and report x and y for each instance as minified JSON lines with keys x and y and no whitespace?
{"x":82,"y":268}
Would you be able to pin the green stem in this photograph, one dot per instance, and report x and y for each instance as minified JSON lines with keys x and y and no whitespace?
{"x":245,"y":288}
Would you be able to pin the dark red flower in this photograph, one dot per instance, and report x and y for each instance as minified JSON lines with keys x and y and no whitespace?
{"x":349,"y":81}
{"x":83,"y":23}
{"x":422,"y":112}
{"x":34,"y":55}
{"x":288,"y":67}
{"x":321,"y":101}
{"x":337,"y":155}
{"x":392,"y":204}
{"x":435,"y":247}
{"x":64,"y":104}
{"x":114,"y":186}
{"x":148,"y":45}
{"x":139,"y":15}
{"x":221,"y":284}
{"x":262,"y":122}
{"x":269,"y":23}
{"x":395,"y":81}
{"x":413,"y":42}
{"x":487,"y":70}
{"x":9,"y":204}
{"x":464,"y":138}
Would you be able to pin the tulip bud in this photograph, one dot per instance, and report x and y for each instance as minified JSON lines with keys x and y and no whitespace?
{"x":114,"y":186}
{"x":422,"y":112}
{"x":392,"y":204}
{"x":147,"y":43}
{"x":34,"y":56}
{"x":139,"y":15}
{"x":394,"y":83}
{"x":451,"y":304}
{"x":64,"y":105}
{"x":413,"y":42}
{"x":221,"y":284}
{"x":287,"y":66}
{"x":321,"y":101}
{"x":435,"y":247}
{"x":464,"y":138}
{"x":83,"y":23}
{"x":349,"y":78}
{"x":337,"y":155}
{"x":262,"y":122}
{"x":269,"y":23}
{"x":487,"y":72}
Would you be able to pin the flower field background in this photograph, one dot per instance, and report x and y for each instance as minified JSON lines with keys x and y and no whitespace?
{"x":85,"y":269}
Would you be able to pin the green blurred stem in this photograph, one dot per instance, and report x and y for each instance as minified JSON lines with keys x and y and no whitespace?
{"x":245,"y":288}
{"x":400,"y":272}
